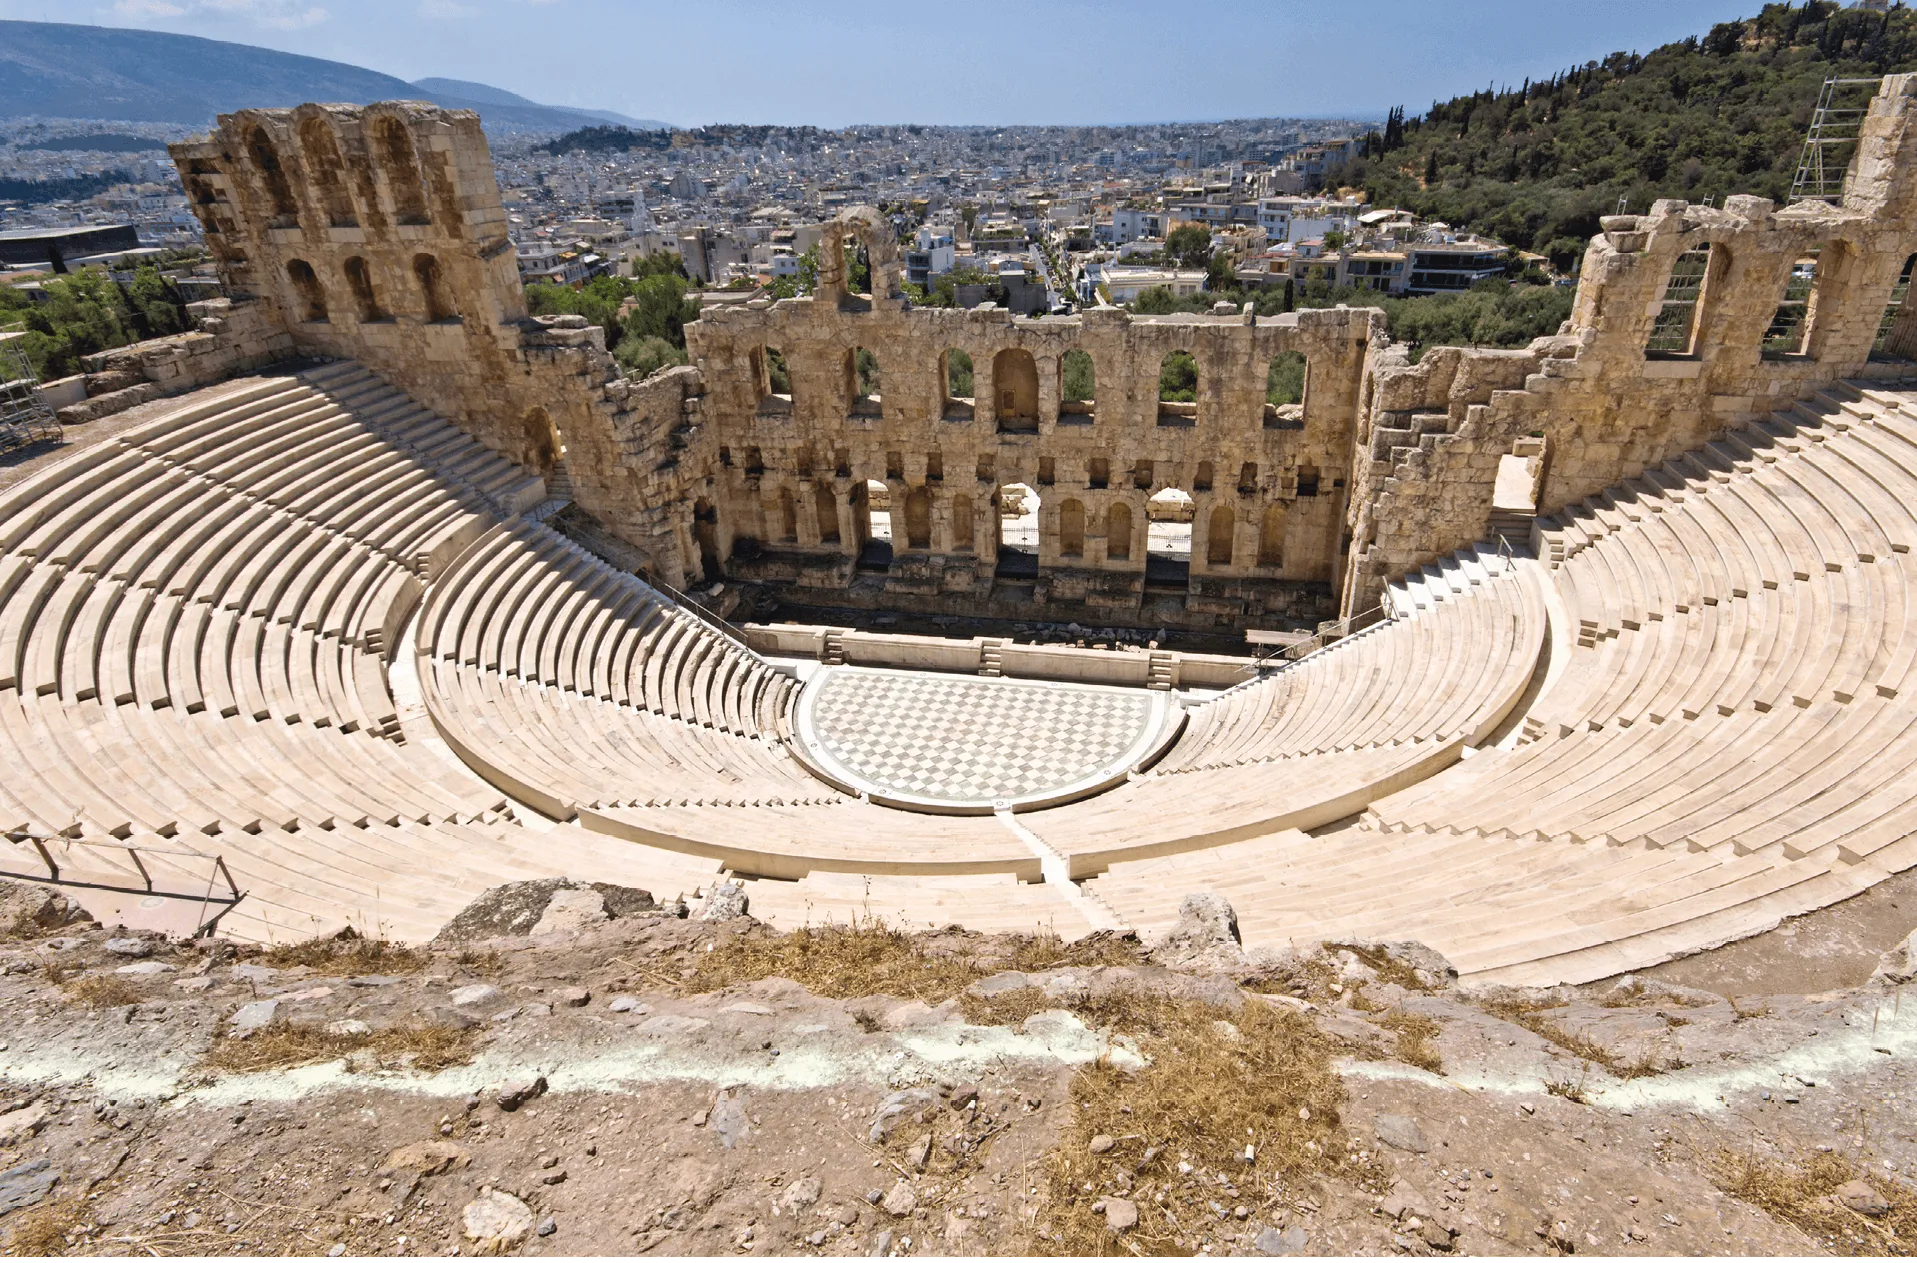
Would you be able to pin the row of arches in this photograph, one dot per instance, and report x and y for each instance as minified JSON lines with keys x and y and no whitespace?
{"x":1015,"y":386}
{"x":323,"y":166}
{"x":1687,"y":306}
{"x":911,"y":529}
{"x":436,"y":302}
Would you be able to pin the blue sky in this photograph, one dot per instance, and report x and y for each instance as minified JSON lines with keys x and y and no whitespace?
{"x":836,"y":62}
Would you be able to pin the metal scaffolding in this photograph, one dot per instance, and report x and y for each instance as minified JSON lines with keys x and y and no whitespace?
{"x":1832,"y":139}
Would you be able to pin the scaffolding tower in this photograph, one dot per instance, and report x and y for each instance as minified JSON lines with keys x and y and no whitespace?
{"x":1832,"y":139}
{"x":25,"y":417}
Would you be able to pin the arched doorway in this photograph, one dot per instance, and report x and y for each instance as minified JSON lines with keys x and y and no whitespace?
{"x":1016,"y":513}
{"x":1168,"y":518}
{"x":1015,"y":390}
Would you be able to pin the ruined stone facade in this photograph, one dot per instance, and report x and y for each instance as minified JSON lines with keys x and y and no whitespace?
{"x":377,"y":234}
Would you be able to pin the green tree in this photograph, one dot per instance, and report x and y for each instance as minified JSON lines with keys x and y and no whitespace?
{"x":641,"y":357}
{"x":1178,"y":378}
{"x":804,"y":283}
{"x":958,"y":374}
{"x":1077,"y":371}
{"x":661,"y":309}
{"x":1285,"y":379}
{"x":1189,"y":245}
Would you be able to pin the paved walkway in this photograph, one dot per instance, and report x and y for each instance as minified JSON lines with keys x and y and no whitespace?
{"x":935,"y":741}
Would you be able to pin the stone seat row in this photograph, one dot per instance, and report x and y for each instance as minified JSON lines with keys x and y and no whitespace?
{"x":563,"y":751}
{"x":1466,"y":636}
{"x":531,"y":605}
{"x":993,"y":903}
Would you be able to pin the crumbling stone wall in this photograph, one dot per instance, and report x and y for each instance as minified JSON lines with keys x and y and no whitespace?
{"x":1607,"y":400}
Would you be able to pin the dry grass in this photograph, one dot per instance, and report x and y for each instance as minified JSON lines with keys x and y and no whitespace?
{"x":1638,"y":996}
{"x":42,"y":1231}
{"x":1210,"y":1090}
{"x":101,"y":991}
{"x":1388,"y":968}
{"x":869,"y":957}
{"x":1415,"y":1032}
{"x":487,"y":964}
{"x":348,"y":954}
{"x":1529,"y":1015}
{"x":1799,"y":1195}
{"x":282,"y":1045}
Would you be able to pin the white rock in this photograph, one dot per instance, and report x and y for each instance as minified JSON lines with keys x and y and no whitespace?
{"x":570,"y":911}
{"x":496,"y":1222}
{"x":254,"y":1016}
{"x":477,"y":993}
{"x":146,"y":968}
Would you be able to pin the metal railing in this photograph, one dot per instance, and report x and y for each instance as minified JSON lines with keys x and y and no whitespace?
{"x":44,"y":845}
{"x":1833,"y":127}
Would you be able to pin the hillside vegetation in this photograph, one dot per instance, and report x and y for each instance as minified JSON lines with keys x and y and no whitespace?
{"x":1703,"y":117}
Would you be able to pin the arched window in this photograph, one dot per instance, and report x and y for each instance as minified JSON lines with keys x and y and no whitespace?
{"x":393,"y":144}
{"x":1218,"y":541}
{"x":359,"y":278}
{"x":1177,"y":389}
{"x":1790,"y":327}
{"x":1271,"y":536}
{"x":955,"y":373}
{"x":1674,"y":324}
{"x":543,"y":448}
{"x":961,"y":524}
{"x":327,"y":173}
{"x":1071,"y":529}
{"x":1118,"y":532}
{"x":862,"y":383}
{"x":1015,"y":389}
{"x":826,"y":505}
{"x":775,"y":383}
{"x":1077,"y":387}
{"x":918,"y":518}
{"x":306,"y":287}
{"x":266,"y":159}
{"x":432,"y":289}
{"x":1285,"y":382}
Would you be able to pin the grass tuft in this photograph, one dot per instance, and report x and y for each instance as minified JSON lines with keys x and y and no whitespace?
{"x":1529,"y":1015}
{"x":101,"y":991}
{"x":1800,"y":1195}
{"x":282,"y":1044}
{"x":1415,"y":1032}
{"x":348,"y":954}
{"x":42,"y":1231}
{"x":1209,"y":1091}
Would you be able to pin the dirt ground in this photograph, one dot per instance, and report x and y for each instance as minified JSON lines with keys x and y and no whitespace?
{"x":631,"y":1080}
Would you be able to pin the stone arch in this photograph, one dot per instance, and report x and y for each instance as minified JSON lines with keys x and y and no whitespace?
{"x":1118,"y":532}
{"x":1218,"y":541}
{"x":1271,"y":535}
{"x":359,"y":279}
{"x":826,"y":506}
{"x":326,"y":172}
{"x":393,"y":146}
{"x":962,"y":527}
{"x":862,"y":385}
{"x":1896,"y":329}
{"x":432,"y":289}
{"x":1177,"y":389}
{"x":1071,"y":529}
{"x":774,"y":380}
{"x":279,"y":190}
{"x":918,"y":518}
{"x":1287,"y":378}
{"x":307,"y":289}
{"x":1793,"y":322}
{"x":1077,"y":386}
{"x":788,"y":516}
{"x":956,"y":384}
{"x":1015,"y":389}
{"x":1168,"y":526}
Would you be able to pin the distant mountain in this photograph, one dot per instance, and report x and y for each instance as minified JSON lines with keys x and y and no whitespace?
{"x":479,"y":94}
{"x":102,"y":72}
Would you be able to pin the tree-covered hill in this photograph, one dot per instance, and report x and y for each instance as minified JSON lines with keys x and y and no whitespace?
{"x":1701,"y":118}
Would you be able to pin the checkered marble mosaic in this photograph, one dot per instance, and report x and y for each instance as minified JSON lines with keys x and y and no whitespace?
{"x":970,"y":739}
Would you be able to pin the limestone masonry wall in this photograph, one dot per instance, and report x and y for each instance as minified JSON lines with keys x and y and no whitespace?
{"x":377,"y":234}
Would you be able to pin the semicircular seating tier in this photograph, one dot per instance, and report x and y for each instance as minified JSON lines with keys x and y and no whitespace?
{"x":194,"y":622}
{"x":1726,"y":735}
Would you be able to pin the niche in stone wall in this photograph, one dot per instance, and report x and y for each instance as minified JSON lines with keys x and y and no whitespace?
{"x":962,"y":524}
{"x":1015,"y":390}
{"x":393,"y":145}
{"x":918,"y":518}
{"x":310,"y":298}
{"x":437,"y":302}
{"x":1178,"y":389}
{"x":1071,"y":529}
{"x":266,"y":160}
{"x":1790,"y":328}
{"x":1897,"y":330}
{"x":1098,"y":473}
{"x":826,"y":506}
{"x":1271,"y":536}
{"x":1077,"y":388}
{"x":542,"y":444}
{"x":862,"y":383}
{"x":359,"y":279}
{"x":1118,"y":532}
{"x":775,"y":383}
{"x":327,"y":173}
{"x":1285,"y":381}
{"x":1218,"y":541}
{"x":788,"y":517}
{"x":955,"y":378}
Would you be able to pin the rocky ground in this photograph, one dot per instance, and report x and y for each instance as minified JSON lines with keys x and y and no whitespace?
{"x":571,"y":1070}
